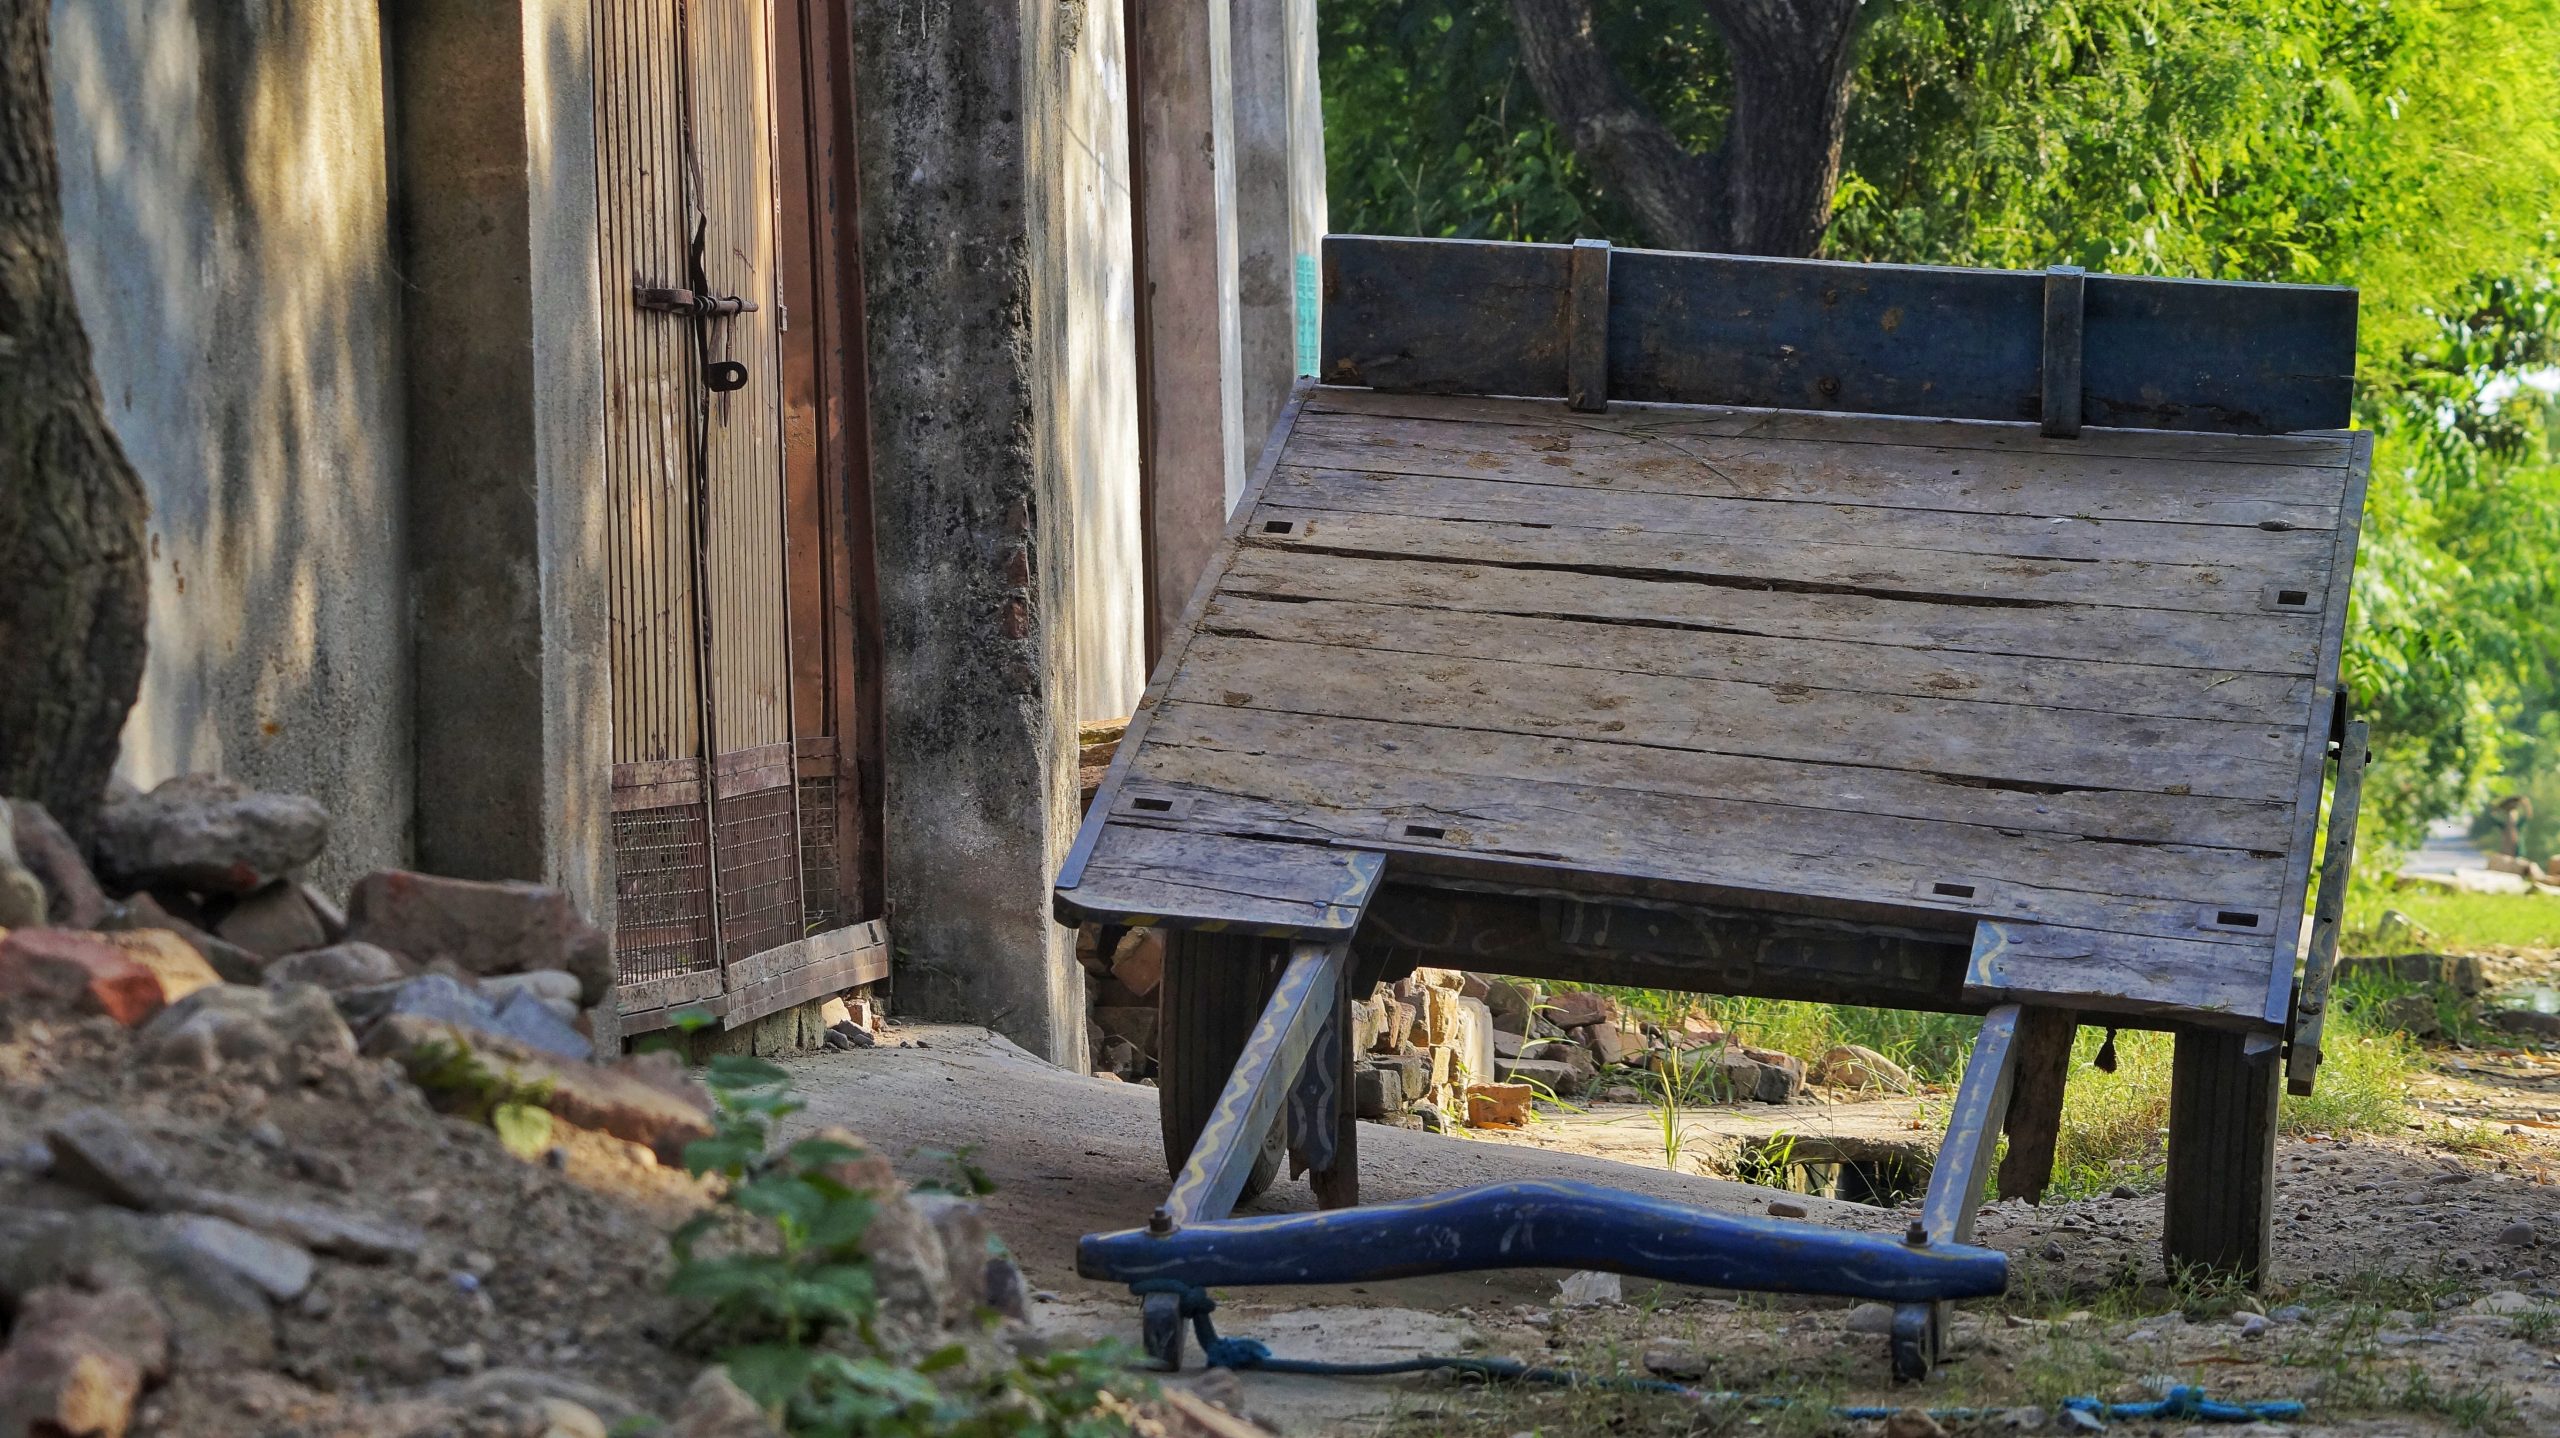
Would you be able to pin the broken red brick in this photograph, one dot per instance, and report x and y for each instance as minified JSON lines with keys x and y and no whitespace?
{"x":84,"y":972}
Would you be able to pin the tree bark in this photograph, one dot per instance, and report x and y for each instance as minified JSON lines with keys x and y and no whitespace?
{"x":74,"y":586}
{"x":1765,"y":189}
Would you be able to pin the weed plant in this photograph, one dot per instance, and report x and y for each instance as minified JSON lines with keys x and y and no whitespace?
{"x":784,"y":1296}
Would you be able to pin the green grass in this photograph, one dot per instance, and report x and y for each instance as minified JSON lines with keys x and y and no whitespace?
{"x":2112,"y":1123}
{"x":2457,"y":921}
{"x":1931,"y":1046}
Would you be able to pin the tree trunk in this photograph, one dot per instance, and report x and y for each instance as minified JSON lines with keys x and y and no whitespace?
{"x":1766,"y":187}
{"x":74,"y":587}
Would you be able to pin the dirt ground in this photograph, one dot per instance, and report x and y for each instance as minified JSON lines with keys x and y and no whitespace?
{"x":2407,"y":1296}
{"x":549,"y":1273}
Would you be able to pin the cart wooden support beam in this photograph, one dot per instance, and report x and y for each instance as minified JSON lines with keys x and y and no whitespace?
{"x":2337,"y":867}
{"x":1955,"y":1183}
{"x":1301,"y":1005}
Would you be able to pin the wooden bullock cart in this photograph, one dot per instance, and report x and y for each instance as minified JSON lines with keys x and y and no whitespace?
{"x":1945,"y":639}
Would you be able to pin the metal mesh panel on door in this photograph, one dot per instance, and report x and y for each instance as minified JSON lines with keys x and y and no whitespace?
{"x":819,"y":875}
{"x":759,"y":872}
{"x":662,"y":892}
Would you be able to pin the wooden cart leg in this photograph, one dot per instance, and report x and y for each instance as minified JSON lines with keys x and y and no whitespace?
{"x":1233,"y":1141}
{"x":1956,"y":1181}
{"x":2034,"y":1123}
{"x":1211,"y":992}
{"x":2222,"y":1155}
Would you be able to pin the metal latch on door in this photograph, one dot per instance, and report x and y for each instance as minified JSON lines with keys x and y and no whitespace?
{"x":718,"y":376}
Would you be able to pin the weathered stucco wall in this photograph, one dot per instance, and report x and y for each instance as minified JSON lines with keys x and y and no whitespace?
{"x":1101,"y":418}
{"x":225,"y":195}
{"x":963,"y":252}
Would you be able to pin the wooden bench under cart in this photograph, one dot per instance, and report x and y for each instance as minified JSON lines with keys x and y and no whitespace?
{"x":1945,"y":639}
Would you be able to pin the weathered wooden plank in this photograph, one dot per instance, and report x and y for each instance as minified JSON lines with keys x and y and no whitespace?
{"x":1515,"y":345}
{"x":1773,"y":848}
{"x":2223,"y":643}
{"x":2007,"y":743}
{"x":1207,"y":880}
{"x":1176,"y":644}
{"x":1587,"y":311}
{"x":2337,"y":869}
{"x":848,"y":959}
{"x":2115,"y":971}
{"x":2297,"y":496}
{"x":2066,"y":289}
{"x":1466,"y":316}
{"x":2333,"y":448}
{"x":1773,"y":558}
{"x":1859,"y":668}
{"x":1973,"y":1130}
{"x":2324,"y":702}
{"x":673,"y":991}
{"x":1626,"y":508}
{"x":2132,"y":816}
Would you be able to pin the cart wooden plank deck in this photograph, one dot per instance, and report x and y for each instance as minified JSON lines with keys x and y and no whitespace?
{"x":1533,"y":650}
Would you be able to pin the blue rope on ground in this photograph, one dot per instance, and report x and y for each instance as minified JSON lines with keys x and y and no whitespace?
{"x":2182,"y":1402}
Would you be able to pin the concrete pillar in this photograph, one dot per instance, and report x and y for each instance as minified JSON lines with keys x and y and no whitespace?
{"x":1280,"y":210}
{"x":1102,"y":354}
{"x":1308,"y":218}
{"x":1191,"y":339}
{"x":964,"y":290}
{"x":496,"y":194}
{"x":1259,"y":32}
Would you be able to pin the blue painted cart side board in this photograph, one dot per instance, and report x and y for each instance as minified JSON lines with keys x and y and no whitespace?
{"x":1481,"y":317}
{"x":1547,"y":1224}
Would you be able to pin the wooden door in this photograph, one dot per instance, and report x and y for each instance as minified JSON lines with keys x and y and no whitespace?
{"x":708,"y":830}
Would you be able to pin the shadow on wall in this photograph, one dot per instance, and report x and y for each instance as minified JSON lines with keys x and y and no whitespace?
{"x":226,"y":196}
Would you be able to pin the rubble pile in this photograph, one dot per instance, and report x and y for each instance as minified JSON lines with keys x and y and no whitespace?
{"x":249,"y":1183}
{"x":1442,"y":1048}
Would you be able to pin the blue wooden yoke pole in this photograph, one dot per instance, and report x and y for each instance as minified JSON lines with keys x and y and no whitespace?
{"x":1191,"y":1244}
{"x":1546,"y":1224}
{"x":1222,"y":1157}
{"x":1955,"y":1182}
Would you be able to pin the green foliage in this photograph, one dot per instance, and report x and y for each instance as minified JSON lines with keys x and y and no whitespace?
{"x":1932,"y":1046}
{"x":462,"y":1084}
{"x":2458,"y":922}
{"x":786,"y":1299}
{"x":2408,"y":147}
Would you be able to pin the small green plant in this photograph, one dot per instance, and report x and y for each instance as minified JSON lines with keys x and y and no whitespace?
{"x":462,"y":1084}
{"x":1669,"y":1108}
{"x":787,"y":1302}
{"x":1769,"y":1163}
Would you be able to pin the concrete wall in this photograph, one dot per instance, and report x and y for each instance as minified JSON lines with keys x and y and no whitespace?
{"x":226,"y":197}
{"x":963,"y":114}
{"x":1101,"y":419}
{"x":1308,"y":220}
{"x":1196,"y":450}
{"x":1266,"y":272}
